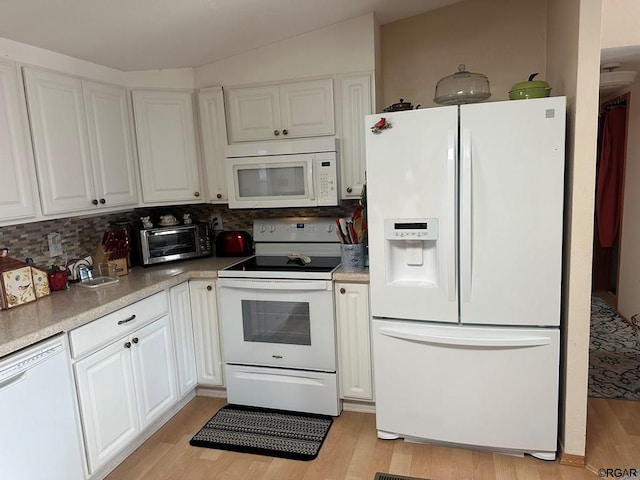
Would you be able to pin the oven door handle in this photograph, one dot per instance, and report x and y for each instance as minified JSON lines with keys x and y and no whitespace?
{"x":249,"y":284}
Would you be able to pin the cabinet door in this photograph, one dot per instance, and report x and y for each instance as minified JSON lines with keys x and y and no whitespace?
{"x":214,"y":141}
{"x":183,"y":338}
{"x":355,"y":92}
{"x":107,"y":402}
{"x":206,"y":332}
{"x":354,"y":345}
{"x":306,"y":108}
{"x":253,"y":113}
{"x":16,"y":181}
{"x":60,"y":141}
{"x":154,"y":370}
{"x":110,"y":142}
{"x":166,"y":146}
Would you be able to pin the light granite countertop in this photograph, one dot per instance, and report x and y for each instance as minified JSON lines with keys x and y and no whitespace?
{"x":65,"y":310}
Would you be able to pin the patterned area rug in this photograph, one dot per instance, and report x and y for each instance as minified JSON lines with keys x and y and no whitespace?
{"x":263,"y":431}
{"x":614,"y":355}
{"x":392,"y":476}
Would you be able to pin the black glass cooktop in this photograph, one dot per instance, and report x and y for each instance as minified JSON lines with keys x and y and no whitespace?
{"x":284,"y":264}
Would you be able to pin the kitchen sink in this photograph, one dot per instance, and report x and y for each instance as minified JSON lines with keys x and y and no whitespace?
{"x":98,"y":282}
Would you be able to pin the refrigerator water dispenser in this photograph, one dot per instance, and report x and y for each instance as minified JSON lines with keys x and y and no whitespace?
{"x":411,"y":250}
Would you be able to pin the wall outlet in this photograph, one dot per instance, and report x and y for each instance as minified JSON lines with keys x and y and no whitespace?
{"x":216,"y":221}
{"x":55,"y":244}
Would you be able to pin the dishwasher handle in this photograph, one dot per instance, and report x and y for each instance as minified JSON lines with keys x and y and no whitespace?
{"x":12,"y":381}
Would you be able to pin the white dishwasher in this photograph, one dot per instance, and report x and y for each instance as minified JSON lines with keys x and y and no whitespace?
{"x":40,"y":436}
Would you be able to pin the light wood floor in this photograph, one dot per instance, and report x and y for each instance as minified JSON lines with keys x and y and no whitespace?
{"x":352,"y":452}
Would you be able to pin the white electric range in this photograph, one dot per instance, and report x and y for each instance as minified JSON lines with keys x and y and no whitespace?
{"x":277,"y":317}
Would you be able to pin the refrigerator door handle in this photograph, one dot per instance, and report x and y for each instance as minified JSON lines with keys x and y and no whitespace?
{"x":466,"y":212}
{"x":451,"y":216}
{"x":453,"y":341}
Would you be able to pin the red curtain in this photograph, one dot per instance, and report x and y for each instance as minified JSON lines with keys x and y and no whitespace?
{"x":610,"y":175}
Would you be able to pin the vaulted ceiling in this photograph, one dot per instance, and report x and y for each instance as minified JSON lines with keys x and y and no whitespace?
{"x":158,"y":34}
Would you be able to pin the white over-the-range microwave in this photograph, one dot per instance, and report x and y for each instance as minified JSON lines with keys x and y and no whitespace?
{"x":283,"y":173}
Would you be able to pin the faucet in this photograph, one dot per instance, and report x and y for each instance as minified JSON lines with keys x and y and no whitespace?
{"x":84,"y":272}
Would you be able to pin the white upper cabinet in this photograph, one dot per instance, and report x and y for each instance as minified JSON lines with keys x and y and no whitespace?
{"x":214,"y":140}
{"x":16,"y":162}
{"x":356,"y":102}
{"x":60,"y":141}
{"x":166,"y":142}
{"x":83,"y":156}
{"x":288,"y":110}
{"x":110,"y":143}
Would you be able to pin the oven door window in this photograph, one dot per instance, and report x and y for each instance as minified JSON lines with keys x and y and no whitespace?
{"x":276,"y":322}
{"x":171,"y":243}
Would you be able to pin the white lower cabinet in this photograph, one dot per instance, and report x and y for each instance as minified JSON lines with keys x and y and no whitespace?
{"x":128,"y":384}
{"x":183,"y":337}
{"x":354,"y":340}
{"x":206,"y":332}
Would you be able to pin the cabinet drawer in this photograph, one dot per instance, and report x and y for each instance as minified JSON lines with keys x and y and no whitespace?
{"x":116,"y":324}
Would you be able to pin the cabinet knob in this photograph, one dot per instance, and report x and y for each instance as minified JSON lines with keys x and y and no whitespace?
{"x":276,"y":132}
{"x":219,"y":195}
{"x":285,"y":131}
{"x":127,"y":344}
{"x":135,"y":340}
{"x":343,"y":291}
{"x":196,"y":194}
{"x":209,"y":287}
{"x":94,"y":201}
{"x":349,"y":189}
{"x":102,"y":201}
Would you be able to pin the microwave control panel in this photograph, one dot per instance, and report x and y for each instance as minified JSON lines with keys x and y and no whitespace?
{"x":326,"y":178}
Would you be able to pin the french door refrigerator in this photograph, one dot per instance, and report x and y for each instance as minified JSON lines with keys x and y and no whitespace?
{"x":465,"y":213}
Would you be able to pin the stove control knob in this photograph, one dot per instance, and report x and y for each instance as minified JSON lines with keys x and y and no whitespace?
{"x":272,"y":228}
{"x":329,"y":228}
{"x":263,"y":228}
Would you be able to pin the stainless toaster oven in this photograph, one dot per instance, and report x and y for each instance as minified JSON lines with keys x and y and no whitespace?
{"x":165,"y":244}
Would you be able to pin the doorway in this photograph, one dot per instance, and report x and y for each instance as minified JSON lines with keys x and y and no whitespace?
{"x":610,"y":174}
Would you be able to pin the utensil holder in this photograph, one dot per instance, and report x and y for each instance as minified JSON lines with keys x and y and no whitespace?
{"x":352,"y":257}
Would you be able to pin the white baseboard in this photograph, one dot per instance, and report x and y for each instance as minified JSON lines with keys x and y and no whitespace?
{"x":217,"y":392}
{"x":358,"y":406}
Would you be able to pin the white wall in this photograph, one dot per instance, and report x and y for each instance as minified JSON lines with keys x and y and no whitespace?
{"x":620,"y":27}
{"x":629,"y":276}
{"x":341,"y":48}
{"x":505,"y":46}
{"x":573,"y":49}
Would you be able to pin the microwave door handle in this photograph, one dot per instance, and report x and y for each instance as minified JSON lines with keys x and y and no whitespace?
{"x":312,"y":195}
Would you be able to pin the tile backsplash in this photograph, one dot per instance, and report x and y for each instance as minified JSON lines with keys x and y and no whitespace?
{"x":81,"y":235}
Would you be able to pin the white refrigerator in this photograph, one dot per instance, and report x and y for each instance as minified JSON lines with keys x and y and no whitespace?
{"x":465,"y":213}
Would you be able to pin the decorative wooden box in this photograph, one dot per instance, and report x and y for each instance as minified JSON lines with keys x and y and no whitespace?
{"x":40,"y":282}
{"x":16,"y":283}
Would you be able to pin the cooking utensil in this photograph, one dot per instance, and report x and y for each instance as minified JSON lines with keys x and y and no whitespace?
{"x":462,"y":87}
{"x":530,"y":89}
{"x":400,"y":106}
